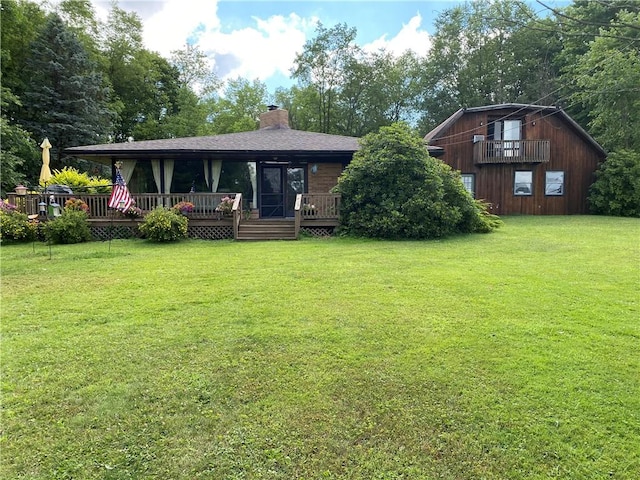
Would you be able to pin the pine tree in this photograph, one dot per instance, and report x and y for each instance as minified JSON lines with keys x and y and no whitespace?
{"x":65,"y":98}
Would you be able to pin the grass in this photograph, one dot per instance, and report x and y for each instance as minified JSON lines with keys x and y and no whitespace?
{"x":512,"y":355}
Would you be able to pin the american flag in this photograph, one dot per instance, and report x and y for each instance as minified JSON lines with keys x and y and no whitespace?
{"x":120,"y":198}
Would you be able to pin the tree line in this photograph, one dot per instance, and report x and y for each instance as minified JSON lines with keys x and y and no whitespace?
{"x":77,"y":80}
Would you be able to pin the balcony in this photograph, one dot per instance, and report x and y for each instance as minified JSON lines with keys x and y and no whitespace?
{"x":511,"y":151}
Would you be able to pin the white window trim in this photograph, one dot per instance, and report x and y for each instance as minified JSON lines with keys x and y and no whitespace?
{"x":521,"y":186}
{"x":559,"y":181}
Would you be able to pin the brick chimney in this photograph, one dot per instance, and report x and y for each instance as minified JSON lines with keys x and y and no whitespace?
{"x":274,"y":118}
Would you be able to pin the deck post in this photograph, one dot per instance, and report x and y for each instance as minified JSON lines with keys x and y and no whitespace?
{"x":296,"y":209}
{"x":237,"y":214}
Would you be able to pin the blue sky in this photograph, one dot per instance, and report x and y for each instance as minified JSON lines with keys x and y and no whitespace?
{"x":260,"y":38}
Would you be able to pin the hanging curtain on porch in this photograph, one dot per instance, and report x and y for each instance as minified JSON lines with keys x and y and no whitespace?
{"x":216,"y":169}
{"x":205,"y":165}
{"x":168,"y":174}
{"x":254,"y":182}
{"x":126,"y":170}
{"x":155,"y":167}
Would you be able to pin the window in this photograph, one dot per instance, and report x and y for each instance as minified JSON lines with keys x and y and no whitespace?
{"x":554,"y":183}
{"x":523,"y":183}
{"x":510,"y":134}
{"x":469,"y":182}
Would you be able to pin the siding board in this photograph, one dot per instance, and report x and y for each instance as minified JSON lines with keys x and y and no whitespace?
{"x":570,"y":152}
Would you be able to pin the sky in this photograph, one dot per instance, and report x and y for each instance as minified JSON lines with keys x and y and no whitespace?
{"x":259,"y":39}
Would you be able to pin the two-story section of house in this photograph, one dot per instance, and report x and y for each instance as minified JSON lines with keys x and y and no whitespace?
{"x":522,"y":159}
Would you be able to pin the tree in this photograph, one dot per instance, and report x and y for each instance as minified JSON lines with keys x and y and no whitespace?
{"x":64,"y":98}
{"x":393,"y":189}
{"x":380,"y":89}
{"x":80,"y":18}
{"x":483,"y":53}
{"x":238,"y":110}
{"x":616,"y":190}
{"x":145,"y":85}
{"x":20,"y":23}
{"x":322,"y":65}
{"x":18,"y":151}
{"x":607,"y":77}
{"x":301,"y":103}
{"x":194,"y":70}
{"x":587,"y":29}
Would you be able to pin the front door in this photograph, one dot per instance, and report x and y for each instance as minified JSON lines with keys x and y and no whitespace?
{"x":279,"y":185}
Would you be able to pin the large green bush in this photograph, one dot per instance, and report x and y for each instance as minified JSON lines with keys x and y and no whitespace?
{"x":394,"y":189}
{"x":70,"y":227}
{"x":616,"y":190}
{"x":164,"y":225}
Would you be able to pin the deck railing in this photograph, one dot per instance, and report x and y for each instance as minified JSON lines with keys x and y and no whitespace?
{"x":320,"y":206}
{"x":316,"y":206}
{"x":204,"y":203}
{"x":511,"y":151}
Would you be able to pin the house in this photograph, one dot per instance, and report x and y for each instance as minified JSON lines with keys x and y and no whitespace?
{"x":269,"y":166}
{"x":522,"y":159}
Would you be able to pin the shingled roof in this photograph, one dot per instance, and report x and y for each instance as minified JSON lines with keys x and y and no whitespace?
{"x":259,"y":142}
{"x":274,"y":139}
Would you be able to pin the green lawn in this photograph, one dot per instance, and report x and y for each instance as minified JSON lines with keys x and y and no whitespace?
{"x":513,"y":355}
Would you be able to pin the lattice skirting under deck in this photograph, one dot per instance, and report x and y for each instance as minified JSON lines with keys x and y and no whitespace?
{"x":318,"y":231}
{"x":205,"y":232}
{"x":106,"y":232}
{"x":211,"y":232}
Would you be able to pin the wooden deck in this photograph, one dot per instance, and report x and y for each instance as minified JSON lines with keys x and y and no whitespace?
{"x":315,"y":214}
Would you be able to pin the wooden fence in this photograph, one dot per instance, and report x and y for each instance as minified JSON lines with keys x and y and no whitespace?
{"x":204,"y":203}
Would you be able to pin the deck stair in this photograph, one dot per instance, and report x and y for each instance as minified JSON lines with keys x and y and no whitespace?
{"x":267,"y":230}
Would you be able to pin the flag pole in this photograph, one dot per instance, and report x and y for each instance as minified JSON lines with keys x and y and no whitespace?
{"x":111,"y":230}
{"x":120,"y":198}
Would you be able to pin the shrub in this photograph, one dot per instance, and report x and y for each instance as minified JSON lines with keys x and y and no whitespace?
{"x":16,"y":226}
{"x":616,"y":190}
{"x":133,"y":212}
{"x":70,"y":227}
{"x":76,"y":204}
{"x":225,"y":206}
{"x":80,"y":182}
{"x":7,"y":207}
{"x":394,"y":189}
{"x":164,"y":225}
{"x":183,"y":208}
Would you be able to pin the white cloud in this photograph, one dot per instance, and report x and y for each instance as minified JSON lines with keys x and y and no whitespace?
{"x":410,"y":37}
{"x":169,"y":28}
{"x":257,"y":52}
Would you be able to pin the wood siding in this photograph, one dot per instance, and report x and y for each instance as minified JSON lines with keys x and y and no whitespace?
{"x":569,"y":152}
{"x":325,"y":178}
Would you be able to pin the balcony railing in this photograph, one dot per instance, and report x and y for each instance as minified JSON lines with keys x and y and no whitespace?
{"x":511,"y":151}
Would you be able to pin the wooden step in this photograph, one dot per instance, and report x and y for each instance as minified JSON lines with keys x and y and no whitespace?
{"x":267,"y":230}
